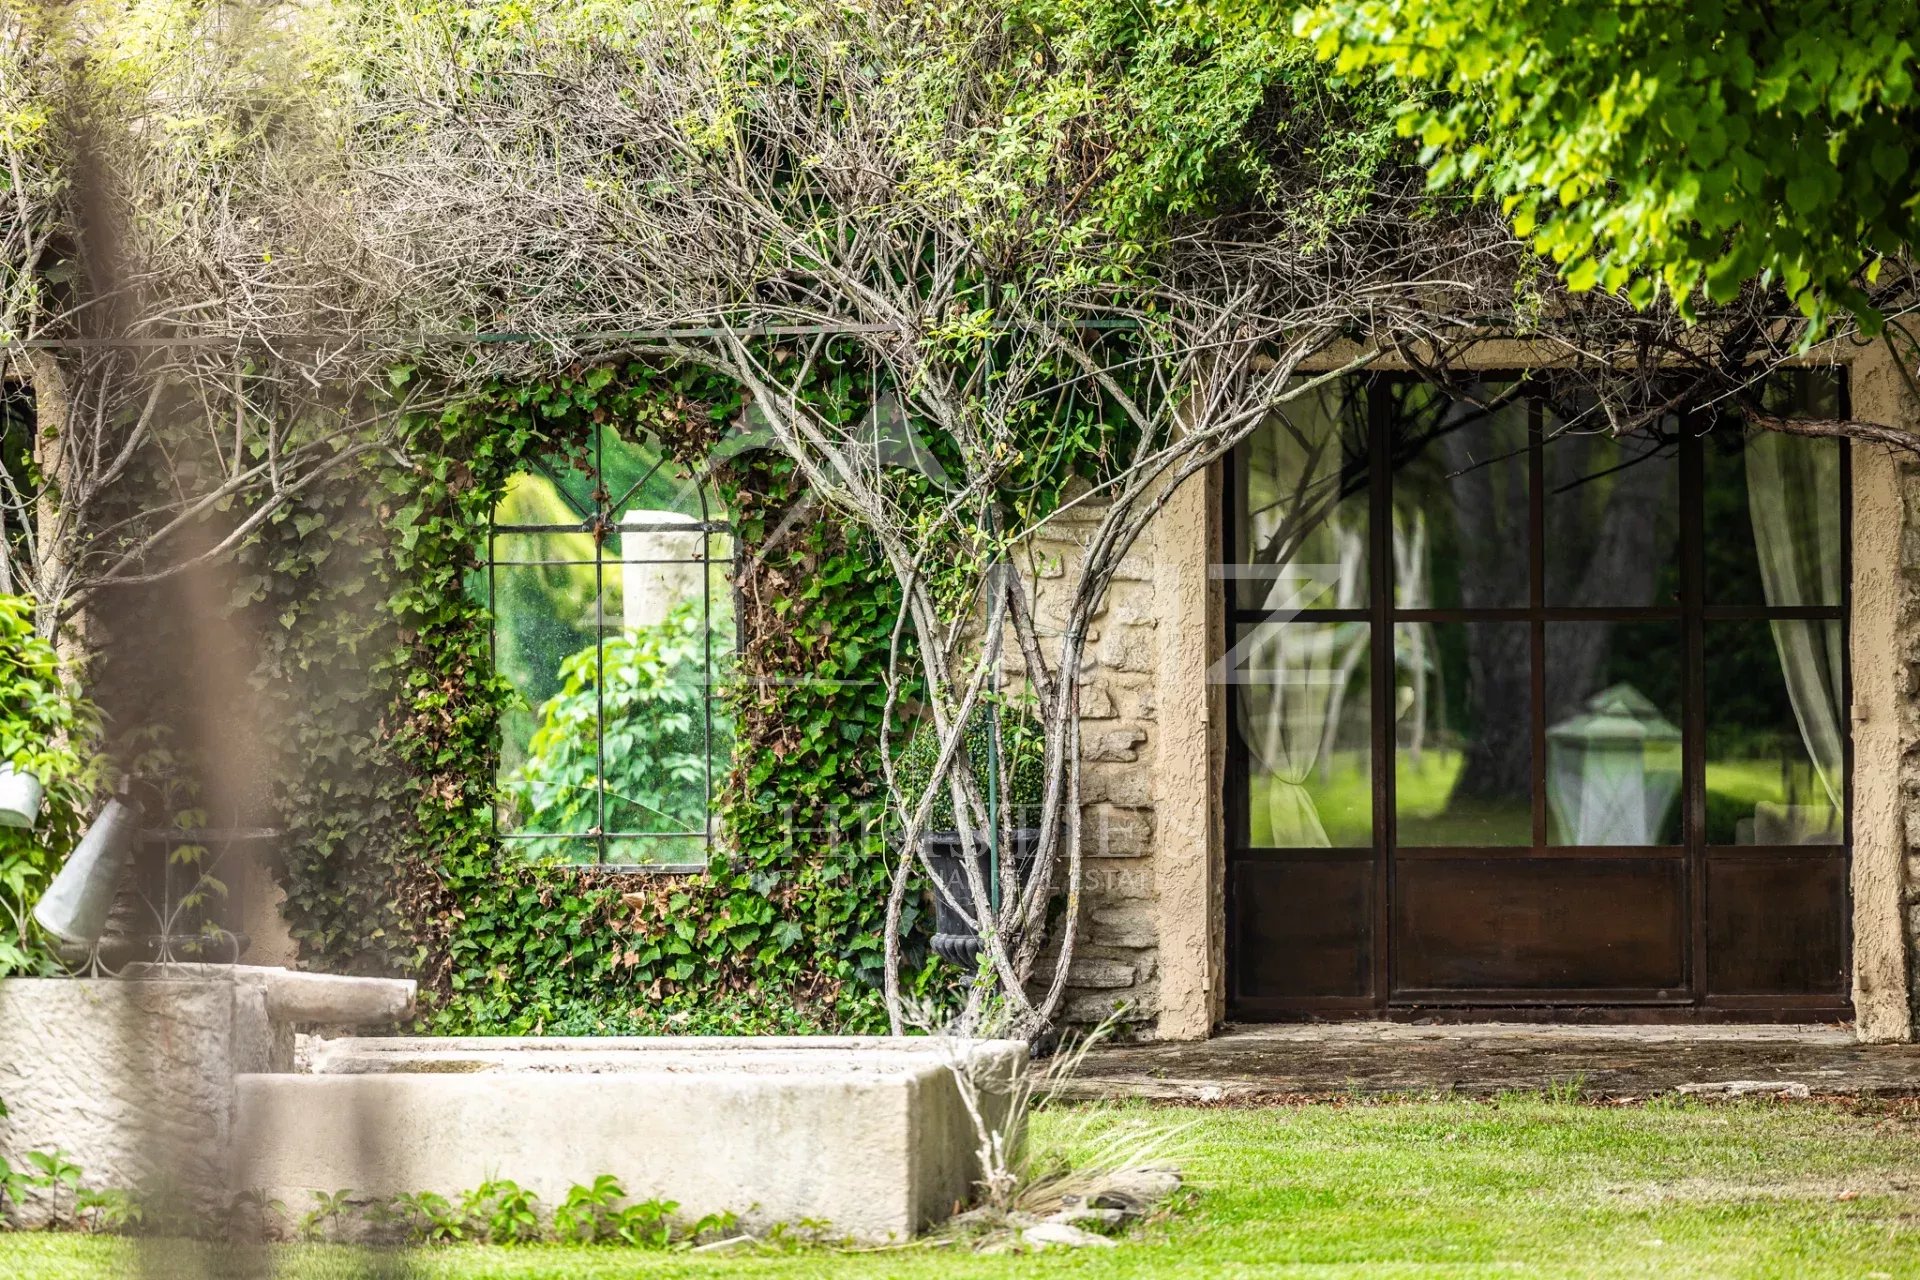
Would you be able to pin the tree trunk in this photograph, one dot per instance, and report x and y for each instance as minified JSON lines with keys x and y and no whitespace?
{"x":1490,"y":515}
{"x":1498,"y":763}
{"x":1614,"y":562}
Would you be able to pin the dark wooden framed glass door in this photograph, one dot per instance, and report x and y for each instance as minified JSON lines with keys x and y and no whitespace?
{"x":1528,"y":715}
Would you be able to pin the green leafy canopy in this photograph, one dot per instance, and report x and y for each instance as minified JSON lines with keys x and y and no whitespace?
{"x":1680,"y":147}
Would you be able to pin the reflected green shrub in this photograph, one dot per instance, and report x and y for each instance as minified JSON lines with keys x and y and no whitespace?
{"x":648,"y":686}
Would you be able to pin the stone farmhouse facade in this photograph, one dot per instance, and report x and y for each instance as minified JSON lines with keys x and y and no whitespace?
{"x":1751,"y":854}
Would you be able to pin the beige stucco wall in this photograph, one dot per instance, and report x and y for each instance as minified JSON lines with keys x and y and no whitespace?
{"x":1190,"y":854}
{"x":1885,"y":633}
{"x":1150,"y":894}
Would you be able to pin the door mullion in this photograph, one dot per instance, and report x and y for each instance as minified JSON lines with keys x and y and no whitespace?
{"x":1536,"y":601}
{"x":1380,"y":589}
{"x":1693,"y":700}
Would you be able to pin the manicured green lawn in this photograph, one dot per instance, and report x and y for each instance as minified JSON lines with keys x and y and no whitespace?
{"x":1430,"y":1189}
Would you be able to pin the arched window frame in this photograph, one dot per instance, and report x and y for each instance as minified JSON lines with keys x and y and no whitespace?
{"x":600,"y":519}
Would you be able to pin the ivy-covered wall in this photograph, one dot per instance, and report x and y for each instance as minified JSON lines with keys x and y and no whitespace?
{"x":376,"y":661}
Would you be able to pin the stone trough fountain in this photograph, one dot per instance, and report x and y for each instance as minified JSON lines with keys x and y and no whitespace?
{"x":195,"y":1074}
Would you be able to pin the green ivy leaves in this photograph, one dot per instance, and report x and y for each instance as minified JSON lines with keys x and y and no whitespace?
{"x":46,"y":730}
{"x":394,"y":865}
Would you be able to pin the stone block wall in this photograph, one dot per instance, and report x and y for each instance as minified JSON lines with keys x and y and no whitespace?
{"x":132,"y":1078}
{"x":1130,"y":736}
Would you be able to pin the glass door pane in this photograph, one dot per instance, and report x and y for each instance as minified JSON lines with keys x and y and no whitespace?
{"x":1776,"y":744}
{"x":1463,"y":736}
{"x":1303,"y":705}
{"x":1612,"y":519}
{"x":1613,"y":732}
{"x":1300,"y":509}
{"x":1460,"y":499}
{"x":1774,"y":525}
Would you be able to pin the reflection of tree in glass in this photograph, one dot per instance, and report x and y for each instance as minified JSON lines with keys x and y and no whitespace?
{"x":636,"y":475}
{"x":1305,"y":468}
{"x":654,"y":700}
{"x":542,"y":611}
{"x":1462,"y":465}
{"x":1611,"y":521}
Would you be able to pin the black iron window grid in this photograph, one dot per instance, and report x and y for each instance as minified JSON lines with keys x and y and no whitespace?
{"x":1384,"y":614}
{"x":598,"y":524}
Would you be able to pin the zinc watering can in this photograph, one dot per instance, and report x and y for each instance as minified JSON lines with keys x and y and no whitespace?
{"x":20,"y":795}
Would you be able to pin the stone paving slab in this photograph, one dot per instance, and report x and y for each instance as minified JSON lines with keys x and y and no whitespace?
{"x":1251,"y":1063}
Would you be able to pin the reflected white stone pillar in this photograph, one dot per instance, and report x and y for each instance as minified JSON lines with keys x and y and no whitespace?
{"x":659,"y":567}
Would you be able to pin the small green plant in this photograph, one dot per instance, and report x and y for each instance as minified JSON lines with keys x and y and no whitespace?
{"x":715,"y":1226}
{"x":501,"y":1211}
{"x":427,"y":1217}
{"x":511,"y":1212}
{"x":250,"y":1214}
{"x":327,"y":1207}
{"x":593,"y":1214}
{"x":14,"y":1184}
{"x":56,"y":1173}
{"x":647,"y":1225}
{"x":1020,"y":746}
{"x":110,"y":1210}
{"x":586,"y":1215}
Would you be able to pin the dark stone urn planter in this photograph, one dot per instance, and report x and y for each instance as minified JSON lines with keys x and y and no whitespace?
{"x":954,"y":940}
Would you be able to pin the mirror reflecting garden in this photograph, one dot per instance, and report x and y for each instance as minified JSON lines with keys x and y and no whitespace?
{"x":607,"y":578}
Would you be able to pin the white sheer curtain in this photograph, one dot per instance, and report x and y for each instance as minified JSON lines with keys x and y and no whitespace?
{"x":1793,"y":495}
{"x":1293,"y":675}
{"x":1284,"y":716}
{"x":1412,"y":641}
